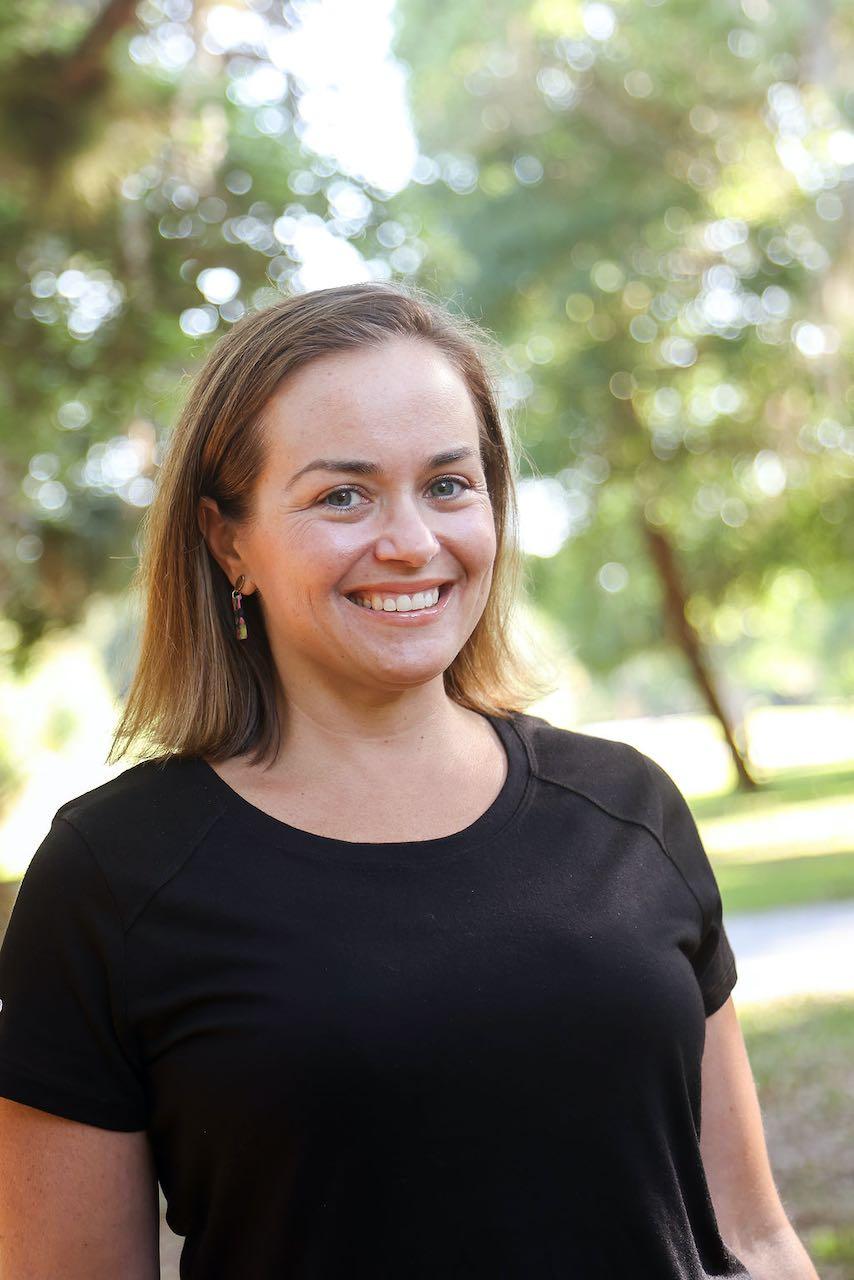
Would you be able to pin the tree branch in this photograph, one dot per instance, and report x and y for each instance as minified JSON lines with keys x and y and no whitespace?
{"x":83,"y":67}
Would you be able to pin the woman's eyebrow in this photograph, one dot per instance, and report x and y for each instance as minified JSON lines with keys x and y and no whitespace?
{"x":360,"y":468}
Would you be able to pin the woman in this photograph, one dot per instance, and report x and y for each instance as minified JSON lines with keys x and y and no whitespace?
{"x":376,"y":973}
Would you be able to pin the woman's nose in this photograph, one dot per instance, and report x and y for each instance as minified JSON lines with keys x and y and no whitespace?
{"x":405,"y":533}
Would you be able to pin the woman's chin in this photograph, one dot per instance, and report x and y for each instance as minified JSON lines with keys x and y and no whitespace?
{"x":394,"y":668}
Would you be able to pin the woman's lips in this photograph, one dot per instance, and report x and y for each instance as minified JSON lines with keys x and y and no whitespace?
{"x":408,"y":617}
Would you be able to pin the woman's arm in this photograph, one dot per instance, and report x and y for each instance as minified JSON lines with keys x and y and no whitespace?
{"x":747,"y":1205}
{"x":76,"y":1201}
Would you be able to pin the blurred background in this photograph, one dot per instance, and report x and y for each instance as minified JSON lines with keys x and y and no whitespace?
{"x":650,"y":203}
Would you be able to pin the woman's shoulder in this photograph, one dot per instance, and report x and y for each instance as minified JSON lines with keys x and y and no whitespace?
{"x":566,"y":755}
{"x":140,"y":825}
{"x":162,"y":780}
{"x":620,"y":779}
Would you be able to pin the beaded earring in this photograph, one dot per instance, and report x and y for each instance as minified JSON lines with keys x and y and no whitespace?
{"x":237,"y":606}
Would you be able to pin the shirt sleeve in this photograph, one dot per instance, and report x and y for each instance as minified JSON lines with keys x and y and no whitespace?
{"x":712,"y":959}
{"x":65,"y":1043}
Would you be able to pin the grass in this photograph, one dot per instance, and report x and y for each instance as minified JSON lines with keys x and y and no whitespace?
{"x":790,"y":842}
{"x":790,"y":786}
{"x":785,"y":882}
{"x":802,"y":1055}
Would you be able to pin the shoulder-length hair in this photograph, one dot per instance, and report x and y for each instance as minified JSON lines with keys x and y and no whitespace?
{"x":199,"y":690}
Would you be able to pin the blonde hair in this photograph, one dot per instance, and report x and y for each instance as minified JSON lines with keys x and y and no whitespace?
{"x":197,"y":689}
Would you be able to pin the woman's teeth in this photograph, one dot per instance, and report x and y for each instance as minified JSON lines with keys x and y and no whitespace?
{"x":400,"y":604}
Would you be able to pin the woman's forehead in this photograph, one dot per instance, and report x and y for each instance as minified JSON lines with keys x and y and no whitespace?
{"x":394,"y":394}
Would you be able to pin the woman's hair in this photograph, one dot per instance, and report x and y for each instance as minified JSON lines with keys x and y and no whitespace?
{"x":199,"y":690}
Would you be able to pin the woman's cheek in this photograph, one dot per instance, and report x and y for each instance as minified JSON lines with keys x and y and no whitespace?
{"x":478,"y":529}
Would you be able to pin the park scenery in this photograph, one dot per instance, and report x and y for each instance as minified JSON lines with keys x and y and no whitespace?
{"x":649,"y":204}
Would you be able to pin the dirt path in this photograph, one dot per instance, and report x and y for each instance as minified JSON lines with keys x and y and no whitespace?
{"x":792,"y":951}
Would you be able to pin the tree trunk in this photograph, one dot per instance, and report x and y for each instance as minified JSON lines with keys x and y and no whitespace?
{"x":686,"y":637}
{"x":85,"y":64}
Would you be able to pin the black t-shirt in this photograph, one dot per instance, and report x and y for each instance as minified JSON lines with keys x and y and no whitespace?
{"x":472,"y":1056}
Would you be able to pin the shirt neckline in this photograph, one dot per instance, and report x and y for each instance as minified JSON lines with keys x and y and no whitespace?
{"x":255,"y":822}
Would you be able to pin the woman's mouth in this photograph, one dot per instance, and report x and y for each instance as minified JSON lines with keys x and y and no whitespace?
{"x":406,"y":616}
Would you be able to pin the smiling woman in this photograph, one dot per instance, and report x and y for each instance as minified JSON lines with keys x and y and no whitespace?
{"x":398,"y":390}
{"x":407,"y":410}
{"x":379,"y":974}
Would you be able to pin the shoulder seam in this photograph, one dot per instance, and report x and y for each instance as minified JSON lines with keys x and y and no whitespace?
{"x":667,"y":852}
{"x":201,"y":835}
{"x":101,"y":874}
{"x":635,"y":822}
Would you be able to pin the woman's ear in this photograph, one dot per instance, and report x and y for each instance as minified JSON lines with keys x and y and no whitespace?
{"x":219,"y":534}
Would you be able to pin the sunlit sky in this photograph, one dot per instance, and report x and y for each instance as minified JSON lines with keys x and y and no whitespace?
{"x":355,"y":104}
{"x":354,"y":98}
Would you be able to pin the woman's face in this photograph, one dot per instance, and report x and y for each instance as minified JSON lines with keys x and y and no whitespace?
{"x":403,"y":519}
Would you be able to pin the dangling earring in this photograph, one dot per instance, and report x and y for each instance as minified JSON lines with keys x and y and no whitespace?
{"x":237,"y":606}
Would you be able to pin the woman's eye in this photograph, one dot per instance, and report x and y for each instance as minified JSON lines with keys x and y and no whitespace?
{"x":335,"y":493}
{"x":348,"y":488}
{"x":450,"y":480}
